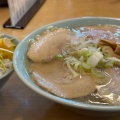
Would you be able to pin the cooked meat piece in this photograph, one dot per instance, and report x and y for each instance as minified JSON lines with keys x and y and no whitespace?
{"x":113,"y":47}
{"x":108,"y":50}
{"x":111,"y":92}
{"x":55,"y":78}
{"x":117,"y":50}
{"x":49,"y":45}
{"x":103,"y":42}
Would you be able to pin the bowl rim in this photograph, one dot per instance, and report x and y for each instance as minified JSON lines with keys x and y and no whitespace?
{"x":50,"y":96}
{"x":11,"y":70}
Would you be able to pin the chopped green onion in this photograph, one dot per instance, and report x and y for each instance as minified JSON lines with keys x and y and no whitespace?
{"x":114,"y":59}
{"x":94,"y":59}
{"x":110,"y":64}
{"x":59,"y":56}
{"x":85,"y":57}
{"x":83,"y":52}
{"x":98,"y":73}
{"x":76,"y":66}
{"x":86,"y":67}
{"x":101,"y":64}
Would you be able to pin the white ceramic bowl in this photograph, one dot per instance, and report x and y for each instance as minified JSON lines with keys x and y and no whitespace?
{"x":4,"y":78}
{"x":20,"y":60}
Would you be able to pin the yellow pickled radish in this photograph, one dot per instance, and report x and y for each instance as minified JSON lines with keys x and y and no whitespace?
{"x":8,"y":55}
{"x":1,"y":42}
{"x":7,"y":43}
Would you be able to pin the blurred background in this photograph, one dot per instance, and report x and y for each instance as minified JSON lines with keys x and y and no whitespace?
{"x":55,"y":10}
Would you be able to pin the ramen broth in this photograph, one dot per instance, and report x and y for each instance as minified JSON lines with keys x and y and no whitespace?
{"x":57,"y":78}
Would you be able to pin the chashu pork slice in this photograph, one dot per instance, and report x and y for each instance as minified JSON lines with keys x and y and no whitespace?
{"x":55,"y":78}
{"x":49,"y":45}
{"x":111,"y":92}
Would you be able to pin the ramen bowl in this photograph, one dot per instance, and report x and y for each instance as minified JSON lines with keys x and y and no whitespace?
{"x":5,"y":77}
{"x":21,"y":61}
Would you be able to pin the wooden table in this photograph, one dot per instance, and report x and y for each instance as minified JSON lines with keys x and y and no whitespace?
{"x":18,"y":102}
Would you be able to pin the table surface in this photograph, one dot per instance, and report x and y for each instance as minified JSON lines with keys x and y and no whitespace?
{"x":18,"y":102}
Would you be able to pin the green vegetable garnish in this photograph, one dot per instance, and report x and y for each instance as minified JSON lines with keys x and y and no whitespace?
{"x":110,"y":64}
{"x":101,"y":64}
{"x":84,"y":52}
{"x":94,"y":59}
{"x":98,"y":73}
{"x":59,"y":56}
{"x":85,"y":58}
{"x":86,"y":67}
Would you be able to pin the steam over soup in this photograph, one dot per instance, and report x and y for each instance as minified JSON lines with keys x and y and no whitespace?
{"x":80,"y":63}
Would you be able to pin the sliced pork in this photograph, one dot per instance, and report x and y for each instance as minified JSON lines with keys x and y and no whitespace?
{"x":55,"y":78}
{"x":49,"y":44}
{"x":117,"y":50}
